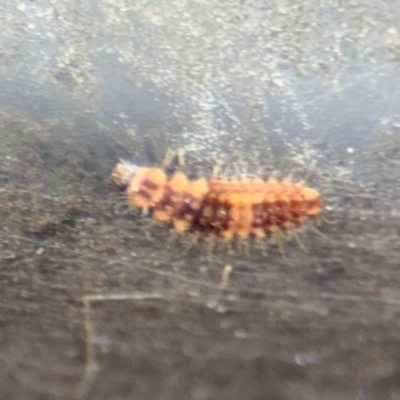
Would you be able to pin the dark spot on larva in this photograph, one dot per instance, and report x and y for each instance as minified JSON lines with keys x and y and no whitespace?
{"x":144,"y":194}
{"x":150,"y":185}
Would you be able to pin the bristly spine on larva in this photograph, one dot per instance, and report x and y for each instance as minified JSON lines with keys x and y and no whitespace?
{"x":224,"y":207}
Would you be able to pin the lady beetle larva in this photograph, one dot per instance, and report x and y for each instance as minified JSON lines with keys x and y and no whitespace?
{"x":224,"y":207}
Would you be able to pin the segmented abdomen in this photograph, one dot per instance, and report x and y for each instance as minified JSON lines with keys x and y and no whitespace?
{"x":225,"y":207}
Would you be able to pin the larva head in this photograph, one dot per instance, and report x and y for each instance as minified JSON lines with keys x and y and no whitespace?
{"x":123,"y":173}
{"x":147,"y":187}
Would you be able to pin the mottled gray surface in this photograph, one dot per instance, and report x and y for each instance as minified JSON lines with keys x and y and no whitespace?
{"x":97,"y":304}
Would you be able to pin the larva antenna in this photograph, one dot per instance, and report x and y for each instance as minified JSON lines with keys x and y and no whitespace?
{"x":123,"y":173}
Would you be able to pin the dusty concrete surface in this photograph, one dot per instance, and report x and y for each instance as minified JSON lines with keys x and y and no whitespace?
{"x":98,"y":304}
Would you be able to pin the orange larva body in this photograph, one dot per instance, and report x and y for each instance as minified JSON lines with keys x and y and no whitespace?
{"x":225,"y":207}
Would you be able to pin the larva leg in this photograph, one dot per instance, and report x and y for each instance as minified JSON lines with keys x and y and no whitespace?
{"x":190,"y":242}
{"x":289,"y":178}
{"x":299,"y":242}
{"x":262,"y":245}
{"x":210,"y":244}
{"x":281,"y":247}
{"x":150,"y":224}
{"x":320,"y":218}
{"x":145,"y":211}
{"x":236,"y":171}
{"x":123,"y":206}
{"x":317,"y":231}
{"x":216,"y":172}
{"x":277,"y":239}
{"x":264,"y":249}
{"x":225,"y":246}
{"x":311,"y":169}
{"x":169,"y":156}
{"x":173,"y":237}
{"x":181,"y":158}
{"x":244,"y":245}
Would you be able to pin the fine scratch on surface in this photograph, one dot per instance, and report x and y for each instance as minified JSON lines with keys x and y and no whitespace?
{"x":93,"y":342}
